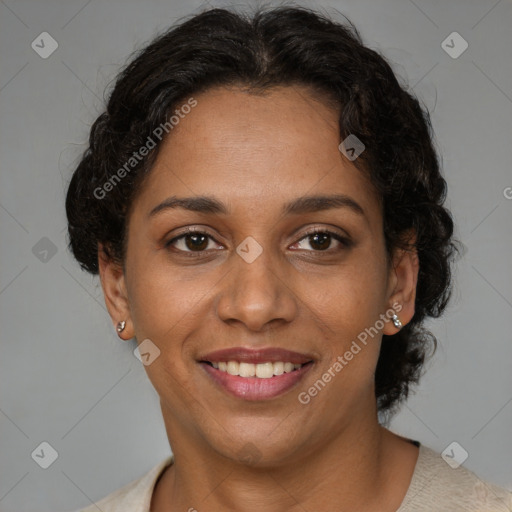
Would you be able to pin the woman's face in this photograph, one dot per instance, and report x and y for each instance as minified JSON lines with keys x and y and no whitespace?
{"x":253,"y":280}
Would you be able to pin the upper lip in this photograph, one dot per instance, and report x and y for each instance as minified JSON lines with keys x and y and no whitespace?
{"x":256,"y":356}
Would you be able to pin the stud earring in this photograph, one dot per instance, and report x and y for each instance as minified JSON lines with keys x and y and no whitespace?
{"x":120,"y":326}
{"x":396,"y":321}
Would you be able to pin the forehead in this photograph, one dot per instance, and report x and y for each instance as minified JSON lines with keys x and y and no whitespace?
{"x":278,"y":121}
{"x":267,"y":147}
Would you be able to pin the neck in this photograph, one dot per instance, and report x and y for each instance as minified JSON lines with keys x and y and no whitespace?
{"x":350,"y":472}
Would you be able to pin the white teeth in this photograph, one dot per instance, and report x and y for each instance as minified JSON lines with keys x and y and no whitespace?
{"x":264,"y":370}
{"x":261,"y":370}
{"x":288,"y":367}
{"x":233,"y":367}
{"x":278,"y":368}
{"x":247,"y":370}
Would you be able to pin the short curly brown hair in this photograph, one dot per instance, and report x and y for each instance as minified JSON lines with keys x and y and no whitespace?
{"x":279,"y":47}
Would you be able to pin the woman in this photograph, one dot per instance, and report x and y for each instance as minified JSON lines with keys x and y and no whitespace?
{"x":264,"y":206}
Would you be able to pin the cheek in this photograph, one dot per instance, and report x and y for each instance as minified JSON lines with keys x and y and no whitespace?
{"x":348,"y":312}
{"x":169,"y":311}
{"x":352,"y":298}
{"x":162,"y":304}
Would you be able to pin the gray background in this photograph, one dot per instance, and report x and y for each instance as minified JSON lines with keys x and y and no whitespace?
{"x":68,"y":380}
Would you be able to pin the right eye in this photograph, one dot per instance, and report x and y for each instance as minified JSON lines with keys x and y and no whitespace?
{"x":192,"y":241}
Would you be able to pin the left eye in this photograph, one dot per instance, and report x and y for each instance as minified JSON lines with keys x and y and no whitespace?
{"x":321,"y":240}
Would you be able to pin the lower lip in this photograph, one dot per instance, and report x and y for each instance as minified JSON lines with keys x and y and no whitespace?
{"x":254,"y":388}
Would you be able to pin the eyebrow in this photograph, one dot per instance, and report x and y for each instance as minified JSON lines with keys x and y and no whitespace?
{"x":304,"y":204}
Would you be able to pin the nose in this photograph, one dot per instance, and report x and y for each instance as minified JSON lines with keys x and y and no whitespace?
{"x":257,"y":294}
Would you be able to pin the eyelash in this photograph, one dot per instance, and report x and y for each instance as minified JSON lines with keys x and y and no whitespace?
{"x":344,"y":241}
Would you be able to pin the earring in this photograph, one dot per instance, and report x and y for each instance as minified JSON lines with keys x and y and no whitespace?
{"x":396,"y":321}
{"x":120,"y":326}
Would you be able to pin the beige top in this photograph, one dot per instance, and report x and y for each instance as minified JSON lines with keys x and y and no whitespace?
{"x":434,"y":487}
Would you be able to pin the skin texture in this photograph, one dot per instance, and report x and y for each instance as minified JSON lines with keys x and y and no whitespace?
{"x":254,"y":153}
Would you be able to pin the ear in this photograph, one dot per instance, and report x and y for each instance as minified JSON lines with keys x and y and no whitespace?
{"x":402,"y":282}
{"x":114,"y":290}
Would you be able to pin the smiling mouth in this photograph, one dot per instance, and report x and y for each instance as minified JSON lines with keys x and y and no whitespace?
{"x":256,"y":381}
{"x":255,"y":374}
{"x":264,"y":370}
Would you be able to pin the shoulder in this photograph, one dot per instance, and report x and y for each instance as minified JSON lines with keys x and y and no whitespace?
{"x":134,"y":496}
{"x":436,"y":486}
